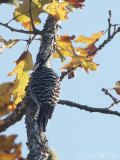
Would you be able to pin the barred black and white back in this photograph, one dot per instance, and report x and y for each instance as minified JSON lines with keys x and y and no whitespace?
{"x":45,"y":91}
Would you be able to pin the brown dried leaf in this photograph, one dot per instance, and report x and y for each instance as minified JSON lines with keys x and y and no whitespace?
{"x":117,"y":87}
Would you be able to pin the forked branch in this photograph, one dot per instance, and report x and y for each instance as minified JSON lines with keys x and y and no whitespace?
{"x":87,"y":108}
{"x":110,"y":36}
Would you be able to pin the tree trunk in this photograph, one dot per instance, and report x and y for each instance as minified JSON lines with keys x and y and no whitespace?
{"x":37,"y":142}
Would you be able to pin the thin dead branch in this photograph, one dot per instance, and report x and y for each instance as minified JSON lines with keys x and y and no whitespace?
{"x":115,"y":100}
{"x":64,"y":74}
{"x":109,"y":23}
{"x":105,"y":42}
{"x":31,"y":16}
{"x":36,"y":32}
{"x":110,"y":36}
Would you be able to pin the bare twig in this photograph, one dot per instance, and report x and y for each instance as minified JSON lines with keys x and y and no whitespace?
{"x":109,"y":23}
{"x":105,"y":42}
{"x":36,"y":32}
{"x":31,"y":15}
{"x":89,"y":109}
{"x":110,"y":95}
{"x":115,"y":101}
{"x":110,"y":37}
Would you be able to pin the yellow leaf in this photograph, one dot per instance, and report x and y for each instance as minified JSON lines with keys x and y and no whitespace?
{"x":65,"y":53}
{"x":89,"y":40}
{"x":7,"y":44}
{"x":75,"y":61}
{"x":57,"y":10}
{"x":23,"y":65}
{"x":90,"y":66}
{"x":64,"y":46}
{"x":22,"y":15}
{"x":81,"y":51}
{"x":17,"y":87}
{"x":79,"y":60}
{"x":52,"y":7}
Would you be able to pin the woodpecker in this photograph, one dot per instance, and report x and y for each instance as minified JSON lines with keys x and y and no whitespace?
{"x":45,"y":91}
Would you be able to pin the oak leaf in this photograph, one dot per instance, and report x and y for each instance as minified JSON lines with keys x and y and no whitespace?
{"x":7,"y":44}
{"x":23,"y":65}
{"x":117,"y":87}
{"x":89,"y":40}
{"x":52,"y":7}
{"x":22,"y":14}
{"x":5,"y":97}
{"x":12,"y":93}
{"x":7,"y":144}
{"x":64,"y":47}
{"x":58,"y":10}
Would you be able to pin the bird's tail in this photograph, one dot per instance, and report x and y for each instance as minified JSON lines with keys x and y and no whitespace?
{"x":44,"y":115}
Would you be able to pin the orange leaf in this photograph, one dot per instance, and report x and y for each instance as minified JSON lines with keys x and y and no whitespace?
{"x":76,"y":3}
{"x":9,"y":150}
{"x":5,"y":97}
{"x":66,"y":38}
{"x":64,"y":48}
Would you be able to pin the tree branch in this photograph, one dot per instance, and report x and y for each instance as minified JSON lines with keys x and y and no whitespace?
{"x":116,"y":101}
{"x":64,"y":74}
{"x":87,"y":108}
{"x":110,"y":37}
{"x":110,"y":95}
{"x":105,"y":42}
{"x":36,"y":32}
{"x":20,"y":111}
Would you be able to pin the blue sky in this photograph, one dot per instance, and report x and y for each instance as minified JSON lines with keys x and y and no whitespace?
{"x":76,"y":134}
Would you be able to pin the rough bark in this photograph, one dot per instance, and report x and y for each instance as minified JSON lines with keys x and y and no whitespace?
{"x":37,"y":142}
